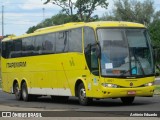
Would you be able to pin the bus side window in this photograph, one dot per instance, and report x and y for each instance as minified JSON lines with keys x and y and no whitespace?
{"x":38,"y":45}
{"x":49,"y":43}
{"x":89,"y":37}
{"x":62,"y":42}
{"x":9,"y":48}
{"x":17,"y":48}
{"x":75,"y":40}
{"x":4,"y":47}
{"x":90,"y":50}
{"x":27,"y":46}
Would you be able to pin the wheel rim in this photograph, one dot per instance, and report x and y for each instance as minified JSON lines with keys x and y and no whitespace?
{"x":16,"y":90}
{"x":82,"y":95}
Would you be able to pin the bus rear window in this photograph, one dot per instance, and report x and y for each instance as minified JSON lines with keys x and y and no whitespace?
{"x":7,"y":48}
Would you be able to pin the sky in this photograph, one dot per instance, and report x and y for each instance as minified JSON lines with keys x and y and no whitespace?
{"x":19,"y":15}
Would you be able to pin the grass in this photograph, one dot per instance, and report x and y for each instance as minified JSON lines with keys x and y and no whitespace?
{"x":157,"y":90}
{"x":0,"y":85}
{"x":157,"y":87}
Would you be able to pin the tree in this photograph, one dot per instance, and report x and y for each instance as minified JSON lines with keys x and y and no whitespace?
{"x":83,"y":8}
{"x":155,"y":37}
{"x":141,"y":12}
{"x":54,"y":20}
{"x":155,"y":32}
{"x":154,"y":29}
{"x":31,"y":29}
{"x":132,"y":10}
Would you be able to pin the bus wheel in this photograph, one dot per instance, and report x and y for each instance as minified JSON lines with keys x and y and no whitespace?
{"x":17,"y":91}
{"x":127,"y":100}
{"x":83,"y":100}
{"x":25,"y":94}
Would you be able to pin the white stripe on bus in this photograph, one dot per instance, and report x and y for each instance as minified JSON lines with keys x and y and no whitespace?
{"x":50,"y":91}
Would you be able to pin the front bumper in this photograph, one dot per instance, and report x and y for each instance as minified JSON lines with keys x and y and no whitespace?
{"x":123,"y":92}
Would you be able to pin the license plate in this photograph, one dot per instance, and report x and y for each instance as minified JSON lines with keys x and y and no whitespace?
{"x":131,"y":92}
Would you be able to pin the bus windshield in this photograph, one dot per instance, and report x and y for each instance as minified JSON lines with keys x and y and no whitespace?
{"x":125,"y":52}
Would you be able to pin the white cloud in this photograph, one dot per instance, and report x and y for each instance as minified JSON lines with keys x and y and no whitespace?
{"x":22,"y":14}
{"x":25,"y":18}
{"x":37,"y":4}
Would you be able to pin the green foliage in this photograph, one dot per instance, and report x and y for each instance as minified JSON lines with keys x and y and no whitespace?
{"x":31,"y":29}
{"x":157,"y":87}
{"x":157,"y":90}
{"x":66,"y":5}
{"x":155,"y":33}
{"x":132,"y":10}
{"x":154,"y":29}
{"x":83,"y":12}
{"x":55,"y":20}
{"x":83,"y":8}
{"x":140,"y":12}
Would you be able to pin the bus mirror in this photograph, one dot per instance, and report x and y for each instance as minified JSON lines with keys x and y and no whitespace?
{"x":98,"y":50}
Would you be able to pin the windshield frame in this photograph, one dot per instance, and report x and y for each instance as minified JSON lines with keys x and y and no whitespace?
{"x":148,"y":41}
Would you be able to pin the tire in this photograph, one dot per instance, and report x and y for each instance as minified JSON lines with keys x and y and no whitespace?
{"x":60,"y":98}
{"x":25,"y":96}
{"x":17,"y":91}
{"x":83,"y":100}
{"x":127,"y":100}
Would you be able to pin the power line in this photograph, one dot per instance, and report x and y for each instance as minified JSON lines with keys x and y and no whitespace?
{"x":21,"y":3}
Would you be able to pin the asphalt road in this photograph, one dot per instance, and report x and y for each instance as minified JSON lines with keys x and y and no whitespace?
{"x":8,"y":102}
{"x":45,"y":103}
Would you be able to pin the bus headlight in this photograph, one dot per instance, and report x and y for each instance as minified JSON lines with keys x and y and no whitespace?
{"x":109,"y":85}
{"x":149,"y":84}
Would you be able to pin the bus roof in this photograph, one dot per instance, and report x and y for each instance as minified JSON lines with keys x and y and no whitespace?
{"x":72,"y":25}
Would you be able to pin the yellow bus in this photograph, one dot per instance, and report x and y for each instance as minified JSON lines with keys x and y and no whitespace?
{"x":95,"y":60}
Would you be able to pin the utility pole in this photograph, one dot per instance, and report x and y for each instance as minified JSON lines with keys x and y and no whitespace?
{"x":2,"y":20}
{"x":43,"y":13}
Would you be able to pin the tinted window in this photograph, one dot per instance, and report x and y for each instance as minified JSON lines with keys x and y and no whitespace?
{"x":7,"y":49}
{"x":62,"y":42}
{"x":89,"y":37}
{"x":49,"y":43}
{"x":27,"y":46}
{"x":75,"y":40}
{"x":3,"y":49}
{"x":38,"y":44}
{"x":17,"y":48}
{"x":90,"y":50}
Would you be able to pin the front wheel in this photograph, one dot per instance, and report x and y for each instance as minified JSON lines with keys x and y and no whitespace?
{"x":83,"y":100}
{"x":127,"y":100}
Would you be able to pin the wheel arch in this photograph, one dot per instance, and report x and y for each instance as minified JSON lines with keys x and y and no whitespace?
{"x":78,"y":82}
{"x":23,"y":80}
{"x":14,"y":82}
